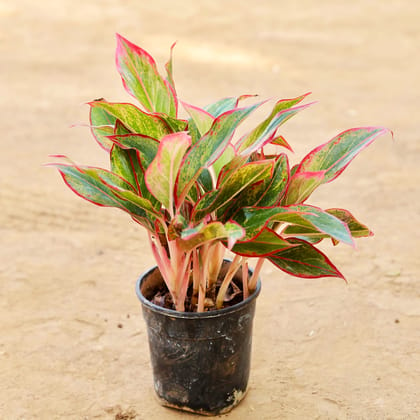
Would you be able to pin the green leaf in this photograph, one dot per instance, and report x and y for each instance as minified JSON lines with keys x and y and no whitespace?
{"x":281,"y":141}
{"x":208,"y":149}
{"x":357,"y":229}
{"x":169,"y":68}
{"x":267,"y":242}
{"x":203,"y":233}
{"x":105,"y":188}
{"x":265,"y":131}
{"x":102,"y":125}
{"x":126,"y":163}
{"x":328,"y":161}
{"x":224,"y":158}
{"x":142,"y":80}
{"x":176,"y":125}
{"x":226,"y":104}
{"x":231,"y":186}
{"x":202,"y":119}
{"x":304,"y":260}
{"x":255,"y":219}
{"x":146,"y":147}
{"x":333,"y":157}
{"x":301,"y":186}
{"x":135,"y":119}
{"x":161,"y":174}
{"x":274,"y":188}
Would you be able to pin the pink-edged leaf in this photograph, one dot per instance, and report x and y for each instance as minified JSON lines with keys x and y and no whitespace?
{"x":231,"y":186}
{"x":175,"y":124}
{"x":204,"y":233}
{"x":169,"y":68}
{"x":201,"y":118}
{"x":102,"y":125}
{"x":145,"y":146}
{"x":267,"y":242}
{"x":302,"y":185}
{"x":142,"y":80}
{"x":357,"y":229}
{"x":281,"y":141}
{"x":104,"y":188}
{"x":254,"y":219}
{"x":265,"y":131}
{"x":126,"y":162}
{"x":209,"y":148}
{"x":161,"y":174}
{"x":135,"y":119}
{"x":333,"y":157}
{"x":304,"y":260}
{"x":224,"y":158}
{"x":226,"y":104}
{"x":273,"y":189}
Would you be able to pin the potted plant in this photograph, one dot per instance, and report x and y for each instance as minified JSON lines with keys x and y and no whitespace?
{"x":201,"y":192}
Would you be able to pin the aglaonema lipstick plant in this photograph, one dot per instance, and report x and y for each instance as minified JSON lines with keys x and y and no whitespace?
{"x":199,"y":191}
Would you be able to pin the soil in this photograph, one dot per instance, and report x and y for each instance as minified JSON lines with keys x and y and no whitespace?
{"x":73,"y":343}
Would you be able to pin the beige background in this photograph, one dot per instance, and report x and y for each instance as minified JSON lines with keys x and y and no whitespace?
{"x":321,"y":349}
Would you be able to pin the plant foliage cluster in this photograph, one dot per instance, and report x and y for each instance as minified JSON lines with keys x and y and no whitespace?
{"x":199,"y":191}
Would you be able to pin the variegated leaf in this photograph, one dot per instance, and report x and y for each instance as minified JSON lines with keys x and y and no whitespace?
{"x":304,"y":260}
{"x":265,"y":131}
{"x":161,"y":174}
{"x":204,"y":233}
{"x":142,"y":80}
{"x":238,"y":181}
{"x":209,"y":148}
{"x":267,"y":242}
{"x":135,"y":119}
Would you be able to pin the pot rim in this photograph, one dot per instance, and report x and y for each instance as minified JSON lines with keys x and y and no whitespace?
{"x":188,"y":315}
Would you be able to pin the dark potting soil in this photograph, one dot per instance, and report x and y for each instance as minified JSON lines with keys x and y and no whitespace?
{"x":234,"y":295}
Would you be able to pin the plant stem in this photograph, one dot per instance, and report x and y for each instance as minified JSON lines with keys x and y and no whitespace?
{"x":252,"y":284}
{"x":226,"y":281}
{"x":245,"y":275}
{"x":203,"y":277}
{"x":196,"y":277}
{"x":185,"y":273}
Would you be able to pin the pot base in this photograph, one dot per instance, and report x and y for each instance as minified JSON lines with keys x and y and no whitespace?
{"x":237,"y":397}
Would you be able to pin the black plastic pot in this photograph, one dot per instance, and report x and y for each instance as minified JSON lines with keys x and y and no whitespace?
{"x":201,"y":361}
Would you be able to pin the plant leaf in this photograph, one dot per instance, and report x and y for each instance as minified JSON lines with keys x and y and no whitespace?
{"x":312,"y":235}
{"x":357,"y":229}
{"x":231,"y":186}
{"x":169,"y":68}
{"x":226,"y":104}
{"x":304,"y":260}
{"x":100,"y":187}
{"x":142,"y":80}
{"x":254,"y":219}
{"x":102,"y":125}
{"x":135,"y":119}
{"x":146,"y":147}
{"x":333,"y":157}
{"x":161,"y":174}
{"x":224,"y":158}
{"x":281,"y":141}
{"x":202,"y":119}
{"x":209,"y":148}
{"x":201,"y":234}
{"x":274,"y":188}
{"x":267,"y":242}
{"x":265,"y":131}
{"x":301,"y":186}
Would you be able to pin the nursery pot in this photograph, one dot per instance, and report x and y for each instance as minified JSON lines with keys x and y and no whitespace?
{"x":201,"y":361}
